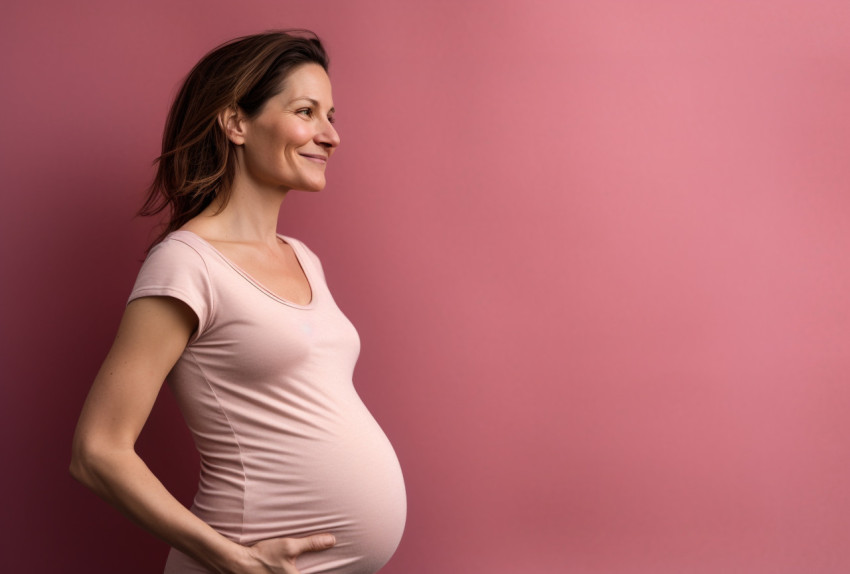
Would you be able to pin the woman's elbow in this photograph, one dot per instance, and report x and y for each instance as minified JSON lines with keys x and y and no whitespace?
{"x":85,"y":456}
{"x":79,"y":463}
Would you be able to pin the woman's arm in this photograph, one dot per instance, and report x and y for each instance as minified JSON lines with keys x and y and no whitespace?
{"x":152,"y":335}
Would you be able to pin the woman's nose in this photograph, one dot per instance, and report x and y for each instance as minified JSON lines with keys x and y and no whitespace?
{"x":328,"y":135}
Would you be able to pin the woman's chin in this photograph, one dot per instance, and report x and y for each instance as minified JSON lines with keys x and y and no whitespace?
{"x":315,"y":186}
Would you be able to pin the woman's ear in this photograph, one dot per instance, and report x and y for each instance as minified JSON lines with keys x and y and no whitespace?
{"x":232,"y":121}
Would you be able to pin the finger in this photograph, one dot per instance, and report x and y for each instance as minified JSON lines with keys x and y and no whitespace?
{"x":315,"y":543}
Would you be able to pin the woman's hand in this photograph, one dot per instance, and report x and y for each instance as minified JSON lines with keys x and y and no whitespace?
{"x":277,"y":555}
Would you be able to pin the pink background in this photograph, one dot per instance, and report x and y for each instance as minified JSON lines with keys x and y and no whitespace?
{"x":598,"y":253}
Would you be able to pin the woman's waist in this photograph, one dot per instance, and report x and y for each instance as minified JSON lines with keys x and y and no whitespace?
{"x":307,"y":479}
{"x":364,"y":508}
{"x":293,"y":474}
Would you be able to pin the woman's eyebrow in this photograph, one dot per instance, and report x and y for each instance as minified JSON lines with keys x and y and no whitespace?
{"x":312,"y":101}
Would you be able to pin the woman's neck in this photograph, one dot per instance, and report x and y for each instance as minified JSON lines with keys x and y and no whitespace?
{"x":249,"y":216}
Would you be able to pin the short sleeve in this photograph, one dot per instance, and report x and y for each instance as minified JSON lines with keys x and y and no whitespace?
{"x":175,"y":269}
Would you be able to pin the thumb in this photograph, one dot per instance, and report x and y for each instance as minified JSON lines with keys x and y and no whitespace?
{"x":316,"y":542}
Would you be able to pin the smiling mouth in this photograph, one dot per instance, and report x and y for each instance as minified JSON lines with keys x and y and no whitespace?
{"x":315,"y":157}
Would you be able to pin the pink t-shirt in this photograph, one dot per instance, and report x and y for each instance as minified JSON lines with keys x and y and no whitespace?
{"x":287,"y":447}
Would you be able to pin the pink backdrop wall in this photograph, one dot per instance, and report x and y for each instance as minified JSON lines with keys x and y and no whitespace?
{"x":598,"y":253}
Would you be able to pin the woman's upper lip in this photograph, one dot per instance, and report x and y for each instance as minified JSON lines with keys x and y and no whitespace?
{"x":316,"y":156}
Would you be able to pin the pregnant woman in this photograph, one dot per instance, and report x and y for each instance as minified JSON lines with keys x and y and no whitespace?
{"x":296,"y":475}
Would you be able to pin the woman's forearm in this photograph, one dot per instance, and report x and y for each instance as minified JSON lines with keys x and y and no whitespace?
{"x":122,"y":478}
{"x":151,"y":337}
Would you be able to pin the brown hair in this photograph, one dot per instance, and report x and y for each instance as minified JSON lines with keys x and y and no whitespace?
{"x":197,"y":163}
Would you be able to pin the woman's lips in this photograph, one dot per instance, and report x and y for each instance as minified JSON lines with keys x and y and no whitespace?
{"x":315,"y":157}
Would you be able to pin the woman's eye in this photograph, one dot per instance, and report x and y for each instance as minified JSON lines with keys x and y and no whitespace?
{"x":308,"y":112}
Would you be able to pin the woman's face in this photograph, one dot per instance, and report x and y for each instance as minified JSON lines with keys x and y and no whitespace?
{"x":288,"y":144}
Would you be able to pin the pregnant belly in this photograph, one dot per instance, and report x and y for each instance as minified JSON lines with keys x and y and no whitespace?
{"x":344,"y":479}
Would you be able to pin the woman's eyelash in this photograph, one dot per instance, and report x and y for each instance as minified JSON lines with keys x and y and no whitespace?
{"x":310,"y":113}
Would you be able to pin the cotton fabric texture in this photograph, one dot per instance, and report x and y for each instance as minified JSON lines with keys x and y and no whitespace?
{"x":287,"y":447}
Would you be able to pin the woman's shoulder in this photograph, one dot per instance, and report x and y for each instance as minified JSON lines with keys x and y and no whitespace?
{"x":306,"y":253}
{"x":177,"y":267}
{"x":178,"y":253}
{"x":300,"y":245}
{"x":183,"y":246}
{"x":295,"y":241}
{"x":182,"y":237}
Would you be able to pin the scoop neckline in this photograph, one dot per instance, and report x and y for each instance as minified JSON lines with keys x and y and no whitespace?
{"x":299,"y":256}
